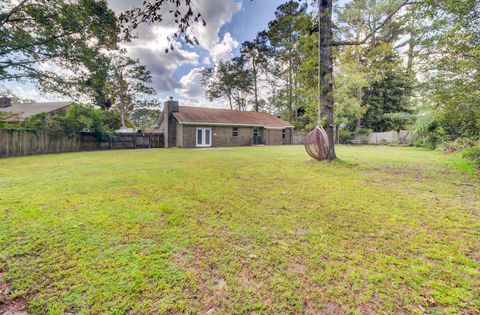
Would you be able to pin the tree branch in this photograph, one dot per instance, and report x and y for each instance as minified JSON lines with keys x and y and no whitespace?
{"x":44,"y":41}
{"x":4,"y":18}
{"x":376,"y":29}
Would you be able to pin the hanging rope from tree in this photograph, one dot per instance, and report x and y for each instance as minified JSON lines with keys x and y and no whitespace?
{"x":316,"y":141}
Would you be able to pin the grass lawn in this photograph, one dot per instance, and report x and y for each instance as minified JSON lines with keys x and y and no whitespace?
{"x":241,"y":230}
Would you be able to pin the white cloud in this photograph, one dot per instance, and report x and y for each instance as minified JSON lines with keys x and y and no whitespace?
{"x":202,"y":102}
{"x":224,"y":49}
{"x":152,"y":41}
{"x":216,"y":13}
{"x":192,"y":93}
{"x":150,"y":49}
{"x":191,"y":84}
{"x":31,"y":93}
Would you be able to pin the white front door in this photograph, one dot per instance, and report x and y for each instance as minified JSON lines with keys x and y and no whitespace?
{"x":204,"y":137}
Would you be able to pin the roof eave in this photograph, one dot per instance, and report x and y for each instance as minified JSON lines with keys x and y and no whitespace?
{"x":203,"y":123}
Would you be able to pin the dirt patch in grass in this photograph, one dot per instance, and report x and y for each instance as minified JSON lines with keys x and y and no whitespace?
{"x":8,"y":304}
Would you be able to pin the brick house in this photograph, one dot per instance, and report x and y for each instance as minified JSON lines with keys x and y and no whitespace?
{"x":193,"y":127}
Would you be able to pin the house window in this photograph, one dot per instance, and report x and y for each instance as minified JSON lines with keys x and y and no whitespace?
{"x":235,"y":132}
{"x":284,"y":133}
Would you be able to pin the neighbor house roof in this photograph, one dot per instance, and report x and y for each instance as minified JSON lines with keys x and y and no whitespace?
{"x":23,"y":111}
{"x":214,"y":116}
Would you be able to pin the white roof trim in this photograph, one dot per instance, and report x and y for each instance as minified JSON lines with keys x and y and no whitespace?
{"x":228,"y":124}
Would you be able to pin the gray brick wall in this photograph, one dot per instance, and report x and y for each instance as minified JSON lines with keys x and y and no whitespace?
{"x":223,"y":136}
{"x":179,"y":135}
{"x":273,"y":136}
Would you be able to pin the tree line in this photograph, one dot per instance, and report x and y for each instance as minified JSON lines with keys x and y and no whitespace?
{"x":388,"y":65}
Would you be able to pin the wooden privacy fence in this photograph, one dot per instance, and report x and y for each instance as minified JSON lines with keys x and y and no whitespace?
{"x":16,"y":143}
{"x":121,"y":141}
{"x":21,"y":142}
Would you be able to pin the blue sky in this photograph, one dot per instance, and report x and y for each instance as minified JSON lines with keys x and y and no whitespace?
{"x":253,"y":17}
{"x":229,"y":23}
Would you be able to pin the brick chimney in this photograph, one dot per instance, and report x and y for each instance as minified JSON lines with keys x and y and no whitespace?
{"x":171,"y":105}
{"x":5,"y":102}
{"x":170,"y":128}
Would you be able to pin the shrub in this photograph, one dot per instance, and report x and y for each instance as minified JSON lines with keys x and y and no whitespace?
{"x":78,"y":118}
{"x":3,"y":119}
{"x":87,"y":118}
{"x":469,"y":148}
{"x":428,"y":132}
{"x":458,"y":145}
{"x":472,"y":154}
{"x":345,"y":135}
{"x":364,"y":131}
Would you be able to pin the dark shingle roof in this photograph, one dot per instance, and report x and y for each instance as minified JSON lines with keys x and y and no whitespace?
{"x":203,"y":115}
{"x":22,"y":111}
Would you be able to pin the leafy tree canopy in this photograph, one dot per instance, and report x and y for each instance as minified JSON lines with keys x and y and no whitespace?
{"x":229,"y":80}
{"x":58,"y":44}
{"x":79,"y":118}
{"x":129,"y":84}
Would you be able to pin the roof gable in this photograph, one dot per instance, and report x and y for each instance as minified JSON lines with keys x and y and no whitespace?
{"x":25,"y":110}
{"x":215,"y":116}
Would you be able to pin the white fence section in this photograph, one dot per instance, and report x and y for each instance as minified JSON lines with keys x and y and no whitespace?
{"x":297,"y":137}
{"x":383,"y":137}
{"x":388,"y":137}
{"x":405,"y":136}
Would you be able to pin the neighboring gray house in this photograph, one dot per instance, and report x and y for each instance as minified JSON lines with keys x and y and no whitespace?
{"x":186,"y":126}
{"x":21,"y":111}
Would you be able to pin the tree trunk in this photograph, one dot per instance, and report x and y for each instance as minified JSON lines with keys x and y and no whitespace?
{"x":326,"y":101}
{"x":358,"y":92}
{"x":290,"y":94}
{"x":123,"y":114}
{"x":410,"y":56}
{"x":254,"y":64}
{"x":337,"y":134}
{"x":295,"y":107}
{"x":121,"y":96}
{"x":411,"y":42}
{"x":230,"y":101}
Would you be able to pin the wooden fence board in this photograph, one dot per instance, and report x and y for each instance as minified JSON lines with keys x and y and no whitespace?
{"x":20,"y":142}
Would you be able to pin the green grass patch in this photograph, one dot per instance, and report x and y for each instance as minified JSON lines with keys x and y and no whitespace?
{"x":241,"y":230}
